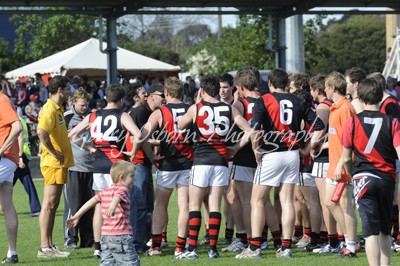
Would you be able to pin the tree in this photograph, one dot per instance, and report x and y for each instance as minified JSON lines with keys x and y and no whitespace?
{"x":313,"y":48}
{"x":189,"y":37}
{"x":43,"y":35}
{"x":245,"y":45}
{"x":358,"y":41}
{"x":6,"y":58}
{"x":153,"y":50}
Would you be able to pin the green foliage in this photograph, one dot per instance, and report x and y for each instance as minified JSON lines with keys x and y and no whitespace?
{"x":43,"y":35}
{"x":6,"y":57}
{"x":358,"y":41}
{"x":312,"y":48}
{"x":153,"y":50}
{"x":245,"y":45}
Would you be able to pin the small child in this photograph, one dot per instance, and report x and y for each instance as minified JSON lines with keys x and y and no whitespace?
{"x":116,"y":232}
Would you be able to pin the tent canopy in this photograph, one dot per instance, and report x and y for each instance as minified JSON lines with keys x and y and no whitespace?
{"x":87,"y":59}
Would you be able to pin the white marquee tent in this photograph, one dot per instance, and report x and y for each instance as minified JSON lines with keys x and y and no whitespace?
{"x":86,"y":59}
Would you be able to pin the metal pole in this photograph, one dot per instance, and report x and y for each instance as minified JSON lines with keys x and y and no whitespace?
{"x":112,"y":47}
{"x":280,"y":32}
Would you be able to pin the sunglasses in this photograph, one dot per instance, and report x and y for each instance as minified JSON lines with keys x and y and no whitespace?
{"x":162,"y":95}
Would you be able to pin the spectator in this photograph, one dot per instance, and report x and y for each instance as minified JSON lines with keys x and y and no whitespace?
{"x":43,"y":92}
{"x":23,"y":172}
{"x":78,"y":190}
{"x":22,"y":96}
{"x":116,"y":232}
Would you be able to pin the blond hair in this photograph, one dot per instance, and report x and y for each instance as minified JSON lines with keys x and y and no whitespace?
{"x":337,"y":81}
{"x":174,"y":87}
{"x":246,"y":78}
{"x":121,"y":168}
{"x":80,"y":93}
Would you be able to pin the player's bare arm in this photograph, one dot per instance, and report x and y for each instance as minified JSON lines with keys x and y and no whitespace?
{"x":348,"y":161}
{"x":187,"y":119}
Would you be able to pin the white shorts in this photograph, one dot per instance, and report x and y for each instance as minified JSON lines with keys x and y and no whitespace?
{"x":7,"y":169}
{"x":320,"y":170}
{"x":243,"y":173}
{"x":101,"y":181}
{"x":230,"y":165}
{"x":306,"y":180}
{"x":278,"y":168}
{"x":209,"y":176}
{"x":170,"y":179}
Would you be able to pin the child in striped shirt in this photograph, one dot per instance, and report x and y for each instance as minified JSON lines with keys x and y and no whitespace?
{"x":116,"y":232}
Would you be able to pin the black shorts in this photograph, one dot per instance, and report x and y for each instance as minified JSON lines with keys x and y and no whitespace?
{"x":374,"y":200}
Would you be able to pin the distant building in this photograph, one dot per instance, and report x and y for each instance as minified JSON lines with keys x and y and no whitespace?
{"x":392,"y":27}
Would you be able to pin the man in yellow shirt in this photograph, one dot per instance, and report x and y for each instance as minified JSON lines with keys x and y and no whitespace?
{"x":54,"y":162}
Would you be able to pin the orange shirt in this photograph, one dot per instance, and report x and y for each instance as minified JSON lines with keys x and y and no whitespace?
{"x":8,"y":115}
{"x":340,"y":112}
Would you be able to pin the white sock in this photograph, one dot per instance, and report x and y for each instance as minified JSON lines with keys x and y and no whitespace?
{"x":351,"y":245}
{"x":46,"y":249}
{"x":10,"y":253}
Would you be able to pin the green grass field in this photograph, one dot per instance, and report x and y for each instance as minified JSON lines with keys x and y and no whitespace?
{"x":28,"y":244}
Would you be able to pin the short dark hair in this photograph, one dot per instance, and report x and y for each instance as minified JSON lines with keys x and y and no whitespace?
{"x":369,"y":91}
{"x":131,"y":91}
{"x":317,"y":82}
{"x":355,"y":74}
{"x":114,"y":93}
{"x":306,"y":96}
{"x":210,"y":84}
{"x":227,"y":78}
{"x":246,"y":78}
{"x":278,"y":78}
{"x":380,"y":79}
{"x":58,"y":82}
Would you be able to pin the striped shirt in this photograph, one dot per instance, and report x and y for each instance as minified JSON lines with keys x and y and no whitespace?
{"x":119,"y":223}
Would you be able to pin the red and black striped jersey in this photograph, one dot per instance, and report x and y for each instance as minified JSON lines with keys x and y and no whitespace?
{"x":373,"y":136}
{"x":139,"y":115}
{"x":212,"y":124}
{"x":245,"y":156}
{"x":175,"y":144}
{"x":323,"y":156}
{"x":108,"y":138}
{"x":279,"y":115}
{"x":306,"y":164}
{"x":390,"y":106}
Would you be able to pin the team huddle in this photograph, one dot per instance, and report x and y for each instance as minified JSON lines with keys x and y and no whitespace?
{"x":322,"y":148}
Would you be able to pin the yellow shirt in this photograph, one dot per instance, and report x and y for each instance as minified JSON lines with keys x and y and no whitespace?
{"x":51,"y":119}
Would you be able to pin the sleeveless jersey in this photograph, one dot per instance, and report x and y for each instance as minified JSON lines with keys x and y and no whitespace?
{"x":306,"y":164}
{"x":108,"y":138}
{"x":139,"y":115}
{"x":174,"y":144}
{"x":390,"y":106}
{"x":245,"y":156}
{"x":323,"y":157}
{"x":212,"y":124}
{"x":280,"y":115}
{"x":373,"y":145}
